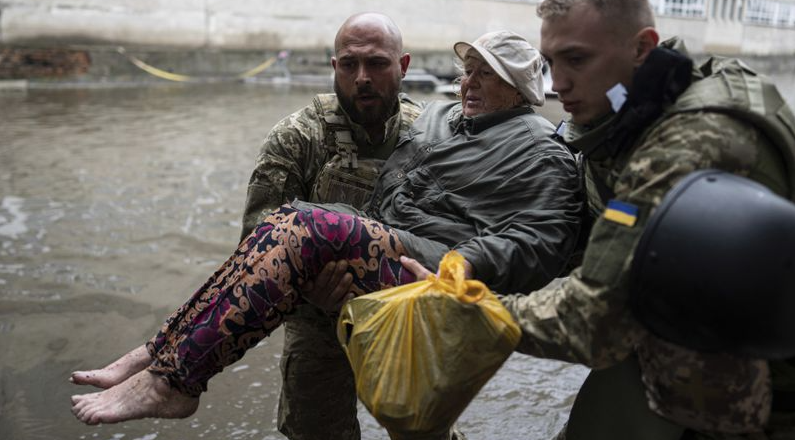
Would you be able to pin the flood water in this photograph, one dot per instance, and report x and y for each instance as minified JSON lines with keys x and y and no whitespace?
{"x":115,"y":205}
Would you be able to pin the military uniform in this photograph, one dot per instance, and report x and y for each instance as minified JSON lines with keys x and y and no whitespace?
{"x":318,"y":154}
{"x":727,"y":119}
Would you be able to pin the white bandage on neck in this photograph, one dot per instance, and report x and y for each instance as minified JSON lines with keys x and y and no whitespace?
{"x":617,"y":96}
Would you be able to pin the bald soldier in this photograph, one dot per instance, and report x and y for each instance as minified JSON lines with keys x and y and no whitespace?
{"x":331,"y":151}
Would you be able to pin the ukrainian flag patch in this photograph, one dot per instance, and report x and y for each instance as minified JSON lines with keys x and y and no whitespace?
{"x":621,"y":212}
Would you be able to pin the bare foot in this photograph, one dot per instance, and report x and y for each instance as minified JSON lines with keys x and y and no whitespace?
{"x":142,"y":395}
{"x":115,"y":373}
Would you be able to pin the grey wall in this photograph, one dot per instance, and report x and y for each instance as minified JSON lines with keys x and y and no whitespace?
{"x":428,"y":25}
{"x":269,"y":24}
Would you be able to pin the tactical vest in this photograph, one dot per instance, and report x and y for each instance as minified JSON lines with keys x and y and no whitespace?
{"x":346,"y":177}
{"x":719,"y":85}
{"x":731,"y":87}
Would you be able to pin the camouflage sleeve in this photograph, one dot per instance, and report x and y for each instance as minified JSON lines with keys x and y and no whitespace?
{"x":586,"y":317}
{"x":283,"y":170}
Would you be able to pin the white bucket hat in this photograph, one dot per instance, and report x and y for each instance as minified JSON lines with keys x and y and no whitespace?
{"x":513,"y":58}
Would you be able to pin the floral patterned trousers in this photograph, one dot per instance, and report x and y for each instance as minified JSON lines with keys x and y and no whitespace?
{"x":249,"y":295}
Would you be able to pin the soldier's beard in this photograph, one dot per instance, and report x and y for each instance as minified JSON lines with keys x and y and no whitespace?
{"x":377,"y":114}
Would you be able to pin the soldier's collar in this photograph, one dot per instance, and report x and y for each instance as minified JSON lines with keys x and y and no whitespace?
{"x":586,"y":138}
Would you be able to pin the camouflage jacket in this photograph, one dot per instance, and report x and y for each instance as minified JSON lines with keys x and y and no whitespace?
{"x":318,"y":154}
{"x":586,"y":318}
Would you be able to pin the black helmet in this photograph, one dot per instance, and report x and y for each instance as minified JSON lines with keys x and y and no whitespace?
{"x":715,"y":267}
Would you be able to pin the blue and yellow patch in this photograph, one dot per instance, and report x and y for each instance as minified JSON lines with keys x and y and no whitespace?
{"x":621,"y":212}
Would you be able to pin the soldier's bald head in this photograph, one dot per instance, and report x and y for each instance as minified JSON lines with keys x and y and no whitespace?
{"x":372,"y":28}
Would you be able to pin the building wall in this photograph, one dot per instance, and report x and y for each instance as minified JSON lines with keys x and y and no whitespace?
{"x":765,"y":40}
{"x":310,"y":25}
{"x":270,"y":24}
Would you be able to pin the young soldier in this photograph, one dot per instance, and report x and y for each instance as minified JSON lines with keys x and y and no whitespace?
{"x":644,"y":118}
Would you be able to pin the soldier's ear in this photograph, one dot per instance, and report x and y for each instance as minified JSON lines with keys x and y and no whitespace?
{"x":334,"y":63}
{"x":405,"y":59}
{"x":645,"y":41}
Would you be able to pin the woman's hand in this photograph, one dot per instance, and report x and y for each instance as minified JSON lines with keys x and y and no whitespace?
{"x":331,"y":289}
{"x":422,"y":273}
{"x":414,"y":267}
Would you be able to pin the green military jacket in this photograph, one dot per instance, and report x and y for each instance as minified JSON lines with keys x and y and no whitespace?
{"x":496,"y":187}
{"x":319,"y":155}
{"x":587,"y":319}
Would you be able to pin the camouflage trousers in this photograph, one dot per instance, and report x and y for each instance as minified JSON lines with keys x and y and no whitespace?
{"x":612,"y":404}
{"x":780,"y":427}
{"x":318,"y":396}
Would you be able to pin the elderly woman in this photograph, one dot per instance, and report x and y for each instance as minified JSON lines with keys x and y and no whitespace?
{"x":482,"y":176}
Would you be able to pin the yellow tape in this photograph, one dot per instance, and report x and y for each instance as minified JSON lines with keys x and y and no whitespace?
{"x":258,"y":69}
{"x":185,"y":78}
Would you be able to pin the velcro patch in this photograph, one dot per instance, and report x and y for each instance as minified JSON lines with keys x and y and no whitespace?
{"x":621,"y":212}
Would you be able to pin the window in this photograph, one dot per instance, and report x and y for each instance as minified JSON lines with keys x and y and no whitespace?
{"x":680,"y":8}
{"x":771,"y":13}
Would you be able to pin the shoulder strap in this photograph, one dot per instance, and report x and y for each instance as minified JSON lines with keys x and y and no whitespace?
{"x":729,"y":86}
{"x":336,"y":129}
{"x":409,"y":112}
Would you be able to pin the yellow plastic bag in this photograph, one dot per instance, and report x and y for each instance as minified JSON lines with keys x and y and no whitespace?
{"x":421,"y":352}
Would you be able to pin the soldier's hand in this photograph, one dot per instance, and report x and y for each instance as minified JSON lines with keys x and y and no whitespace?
{"x":331,"y":288}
